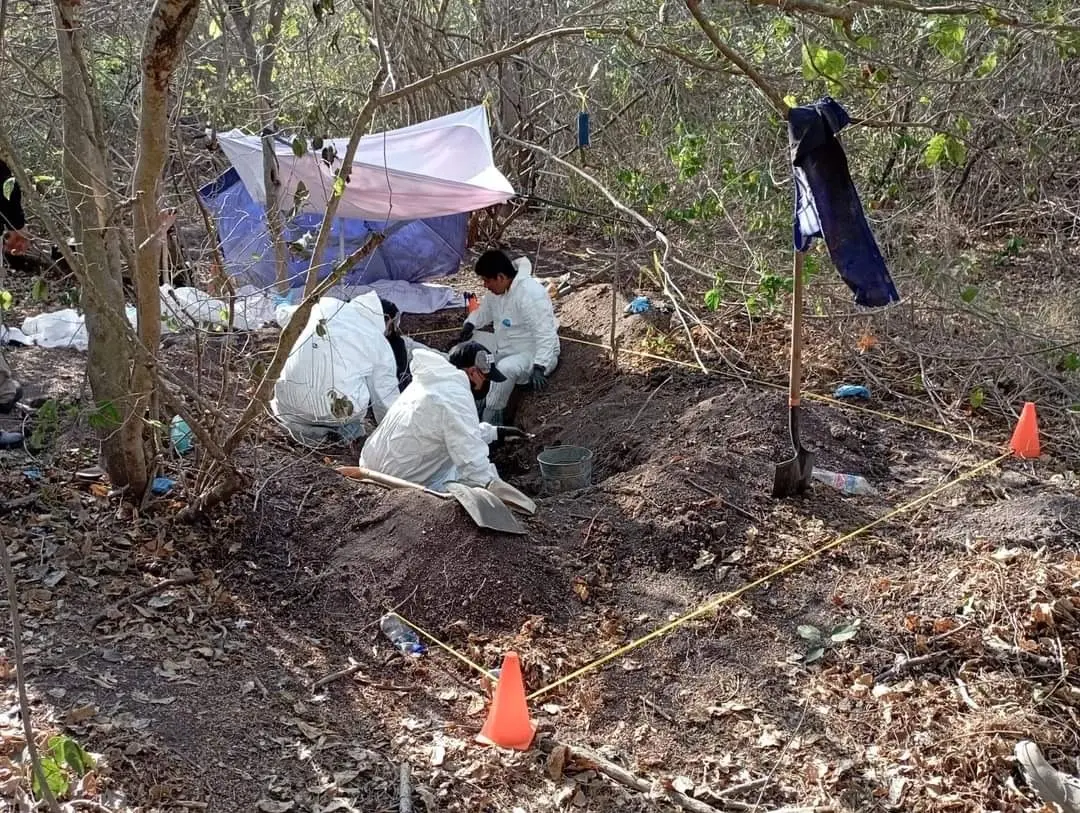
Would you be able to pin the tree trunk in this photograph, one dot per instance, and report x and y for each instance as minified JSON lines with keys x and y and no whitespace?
{"x":121,"y":381}
{"x":260,"y":62}
{"x":170,"y":24}
{"x":110,"y":359}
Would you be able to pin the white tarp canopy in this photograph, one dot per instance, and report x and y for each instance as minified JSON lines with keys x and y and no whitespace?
{"x":439,"y":167}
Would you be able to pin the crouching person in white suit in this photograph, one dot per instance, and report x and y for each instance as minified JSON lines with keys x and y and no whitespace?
{"x":526,"y":335}
{"x":432,"y":434}
{"x":341,"y":364}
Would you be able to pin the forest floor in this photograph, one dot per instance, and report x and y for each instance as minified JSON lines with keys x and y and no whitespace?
{"x":191,"y":659}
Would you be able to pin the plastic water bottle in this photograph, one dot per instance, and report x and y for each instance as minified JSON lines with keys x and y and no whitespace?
{"x":180,"y":435}
{"x":845,"y":483}
{"x":401,"y":635}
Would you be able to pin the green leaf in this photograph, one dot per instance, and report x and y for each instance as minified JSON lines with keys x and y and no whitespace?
{"x":955,"y":151}
{"x":213,"y":30}
{"x":339,"y":186}
{"x":977,"y":397}
{"x":68,"y":752}
{"x":791,"y":101}
{"x":844,"y":632}
{"x":814,"y":654}
{"x":987,"y":66}
{"x":9,"y":188}
{"x":969,"y":293}
{"x":808,"y":632}
{"x":935,"y":150}
{"x":40,"y":290}
{"x":55,"y":778}
{"x":713,"y":299}
{"x":944,"y":147}
{"x":1070,"y":363}
{"x":818,"y":63}
{"x":6,"y":300}
{"x":105,"y":418}
{"x":947,"y":36}
{"x":299,"y":148}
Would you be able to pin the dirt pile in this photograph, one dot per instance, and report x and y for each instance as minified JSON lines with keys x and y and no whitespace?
{"x":426,"y":557}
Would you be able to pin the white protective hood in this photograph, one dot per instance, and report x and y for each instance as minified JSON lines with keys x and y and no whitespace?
{"x":432,"y":434}
{"x":438,"y":167}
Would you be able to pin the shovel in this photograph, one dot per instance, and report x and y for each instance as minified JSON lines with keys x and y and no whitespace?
{"x":511,"y":496}
{"x":486,"y":510}
{"x":793,"y":476}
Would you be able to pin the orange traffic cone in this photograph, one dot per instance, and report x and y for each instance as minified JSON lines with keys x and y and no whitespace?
{"x":508,"y":724}
{"x":1025,"y":439}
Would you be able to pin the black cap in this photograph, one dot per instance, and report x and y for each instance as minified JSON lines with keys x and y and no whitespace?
{"x":474,"y":354}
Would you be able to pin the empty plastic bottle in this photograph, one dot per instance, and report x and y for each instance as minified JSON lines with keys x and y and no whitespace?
{"x":846,"y":483}
{"x":180,"y":434}
{"x":401,"y":635}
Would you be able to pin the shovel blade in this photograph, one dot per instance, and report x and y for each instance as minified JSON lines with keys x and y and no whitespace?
{"x":485,"y":509}
{"x":792,"y":477}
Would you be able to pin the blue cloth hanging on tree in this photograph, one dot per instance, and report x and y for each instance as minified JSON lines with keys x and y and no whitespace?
{"x":583,"y":129}
{"x":827,"y":204}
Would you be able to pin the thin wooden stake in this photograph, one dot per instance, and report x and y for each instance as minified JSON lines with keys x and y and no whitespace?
{"x":612,"y":341}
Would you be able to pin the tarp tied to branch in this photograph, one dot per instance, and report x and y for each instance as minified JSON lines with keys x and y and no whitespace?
{"x":415,"y":184}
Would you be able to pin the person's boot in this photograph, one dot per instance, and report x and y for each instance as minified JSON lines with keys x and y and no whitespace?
{"x":1052,"y":786}
{"x":9,"y":397}
{"x":11,"y":440}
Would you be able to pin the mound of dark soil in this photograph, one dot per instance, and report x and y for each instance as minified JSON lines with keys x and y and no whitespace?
{"x":427,"y":558}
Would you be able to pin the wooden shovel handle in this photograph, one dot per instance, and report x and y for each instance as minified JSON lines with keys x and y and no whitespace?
{"x":795,"y":372}
{"x":388,"y":480}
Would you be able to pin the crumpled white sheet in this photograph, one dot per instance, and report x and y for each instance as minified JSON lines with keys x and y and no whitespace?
{"x":183,"y":308}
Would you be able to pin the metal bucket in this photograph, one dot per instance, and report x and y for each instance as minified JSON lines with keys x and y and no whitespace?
{"x":565,"y":468}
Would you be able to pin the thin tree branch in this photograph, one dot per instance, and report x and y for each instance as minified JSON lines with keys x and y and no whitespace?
{"x":752,"y":73}
{"x":20,"y":678}
{"x":494,"y":56}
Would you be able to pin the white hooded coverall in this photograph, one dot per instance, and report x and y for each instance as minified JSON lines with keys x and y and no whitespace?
{"x":340,"y":365}
{"x":431,"y":434}
{"x":526,"y":333}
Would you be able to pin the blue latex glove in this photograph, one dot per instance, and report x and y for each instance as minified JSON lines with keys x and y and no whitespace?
{"x":639,"y":304}
{"x":851,"y":391}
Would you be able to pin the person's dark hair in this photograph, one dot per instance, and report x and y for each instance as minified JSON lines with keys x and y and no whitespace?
{"x":473,"y":354}
{"x":389,"y":309}
{"x":494,"y":262}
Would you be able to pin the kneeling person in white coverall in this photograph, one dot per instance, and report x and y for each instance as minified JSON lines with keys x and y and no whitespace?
{"x":432,"y":434}
{"x":525,"y":339}
{"x":341,"y":364}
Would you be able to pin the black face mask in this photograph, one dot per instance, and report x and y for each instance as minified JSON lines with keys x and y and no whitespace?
{"x":481,"y":394}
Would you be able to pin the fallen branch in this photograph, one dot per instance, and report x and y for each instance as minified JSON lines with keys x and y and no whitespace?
{"x":348,"y":671}
{"x":1000,"y":647}
{"x":179,"y":581}
{"x":742,"y":512}
{"x":904,"y":665}
{"x":654,"y":790}
{"x":405,"y":790}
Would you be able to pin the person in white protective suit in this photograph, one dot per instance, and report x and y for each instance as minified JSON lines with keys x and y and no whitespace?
{"x":340,"y":365}
{"x":526,"y":335}
{"x":432,"y":434}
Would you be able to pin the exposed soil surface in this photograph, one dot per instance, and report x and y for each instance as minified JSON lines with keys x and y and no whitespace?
{"x":201,"y":693}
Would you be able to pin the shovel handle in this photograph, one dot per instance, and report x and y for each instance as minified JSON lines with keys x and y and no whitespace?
{"x":388,"y":480}
{"x":795,"y":372}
